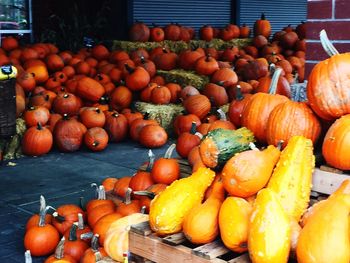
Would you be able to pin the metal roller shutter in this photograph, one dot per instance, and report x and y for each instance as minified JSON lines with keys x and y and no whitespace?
{"x":280,"y":13}
{"x":193,"y":13}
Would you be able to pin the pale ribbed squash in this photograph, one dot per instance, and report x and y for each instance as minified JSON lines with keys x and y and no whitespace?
{"x":292,"y":177}
{"x":269,"y":230}
{"x":325,"y":236}
{"x":169,"y":208}
{"x":248,"y":172}
{"x":200,"y":225}
{"x":117,"y":239}
{"x":233,"y":222}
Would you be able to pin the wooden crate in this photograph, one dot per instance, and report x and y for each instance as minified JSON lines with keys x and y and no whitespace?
{"x":146,"y":246}
{"x":175,"y":248}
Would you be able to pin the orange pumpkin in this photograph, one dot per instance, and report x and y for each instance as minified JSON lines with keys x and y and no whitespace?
{"x":198,"y":105}
{"x":187,"y":141}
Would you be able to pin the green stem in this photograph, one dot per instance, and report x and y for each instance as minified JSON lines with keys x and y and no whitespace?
{"x":239,"y":95}
{"x":39,"y":126}
{"x":169,"y":152}
{"x":222,"y":115}
{"x":73,"y":232}
{"x":128,"y":196}
{"x":327,"y":45}
{"x":145,"y":193}
{"x":274,"y":81}
{"x":80,"y":221}
{"x":28,"y":257}
{"x":59,"y":252}
{"x":94,"y":243}
{"x":193,"y":128}
{"x":151,"y":158}
{"x":262,"y":16}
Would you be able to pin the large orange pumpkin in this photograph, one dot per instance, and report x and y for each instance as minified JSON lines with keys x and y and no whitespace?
{"x":328,"y":84}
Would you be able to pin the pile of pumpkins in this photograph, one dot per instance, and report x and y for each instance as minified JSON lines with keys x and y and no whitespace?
{"x":72,"y":99}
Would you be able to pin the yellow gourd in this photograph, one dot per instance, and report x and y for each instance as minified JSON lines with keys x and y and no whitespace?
{"x":168,"y":209}
{"x":269,"y":234}
{"x":200,"y":225}
{"x":292,"y":177}
{"x":117,"y":239}
{"x":325,"y":236}
{"x":248,"y":172}
{"x":233,"y":222}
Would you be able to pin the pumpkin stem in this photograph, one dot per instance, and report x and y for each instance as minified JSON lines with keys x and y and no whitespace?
{"x":221,"y":83}
{"x":59,"y":252}
{"x":143,"y":210}
{"x":193,"y":128}
{"x":164,"y":50}
{"x":142,"y":59}
{"x":42,"y":204}
{"x":58,"y":217}
{"x":94,"y":242}
{"x":298,"y":94}
{"x":81,"y":202}
{"x":42,"y":215}
{"x":73,"y":232}
{"x":272,"y":68}
{"x":28,"y":257}
{"x":327,"y":45}
{"x":280,"y":144}
{"x":207,"y":59}
{"x":65,"y":116}
{"x":115,"y":114}
{"x":222,"y":114}
{"x":239,"y":95}
{"x":97,"y":110}
{"x":39,"y":126}
{"x":274,"y":81}
{"x":80,"y":221}
{"x":169,"y":151}
{"x":253,"y":146}
{"x":65,"y":95}
{"x":95,"y":143}
{"x":94,"y":185}
{"x":98,"y":256}
{"x":47,"y":97}
{"x":128,"y":68}
{"x":101,"y":193}
{"x":149,"y":194}
{"x":262,"y":16}
{"x":128,"y":196}
{"x":151,"y":158}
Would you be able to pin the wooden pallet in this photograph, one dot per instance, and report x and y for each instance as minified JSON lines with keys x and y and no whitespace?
{"x":175,"y":248}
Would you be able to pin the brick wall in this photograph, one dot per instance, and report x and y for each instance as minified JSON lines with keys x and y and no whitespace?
{"x":334,"y":17}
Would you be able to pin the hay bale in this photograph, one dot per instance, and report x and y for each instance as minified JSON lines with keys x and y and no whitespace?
{"x":163,"y":114}
{"x":184,"y":78}
{"x":175,"y":46}
{"x":12,"y":148}
{"x":178,"y":46}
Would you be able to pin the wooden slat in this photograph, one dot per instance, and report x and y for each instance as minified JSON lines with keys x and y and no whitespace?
{"x":330,"y":169}
{"x":327,"y":182}
{"x":152,"y":248}
{"x":241,"y":259}
{"x":174,"y":239}
{"x":211,"y":250}
{"x":142,"y":228}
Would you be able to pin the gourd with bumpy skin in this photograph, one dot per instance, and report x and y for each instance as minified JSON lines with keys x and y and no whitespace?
{"x":200,"y":225}
{"x":233,"y":222}
{"x":220,"y":145}
{"x":325,"y":236}
{"x":169,"y":208}
{"x":243,"y":179}
{"x":117,"y":239}
{"x":269,"y":230}
{"x":292,"y":177}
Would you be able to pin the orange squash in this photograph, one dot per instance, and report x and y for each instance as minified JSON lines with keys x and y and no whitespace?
{"x":233,"y":222}
{"x":243,"y":179}
{"x":325,"y":236}
{"x":200,"y":225}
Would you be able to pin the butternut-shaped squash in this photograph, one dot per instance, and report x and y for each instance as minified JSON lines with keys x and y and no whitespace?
{"x":269,"y":230}
{"x":325,"y":236}
{"x":168,"y":209}
{"x":248,"y":172}
{"x":233,"y":222}
{"x":292,"y":177}
{"x":200,"y":225}
{"x":117,"y":239}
